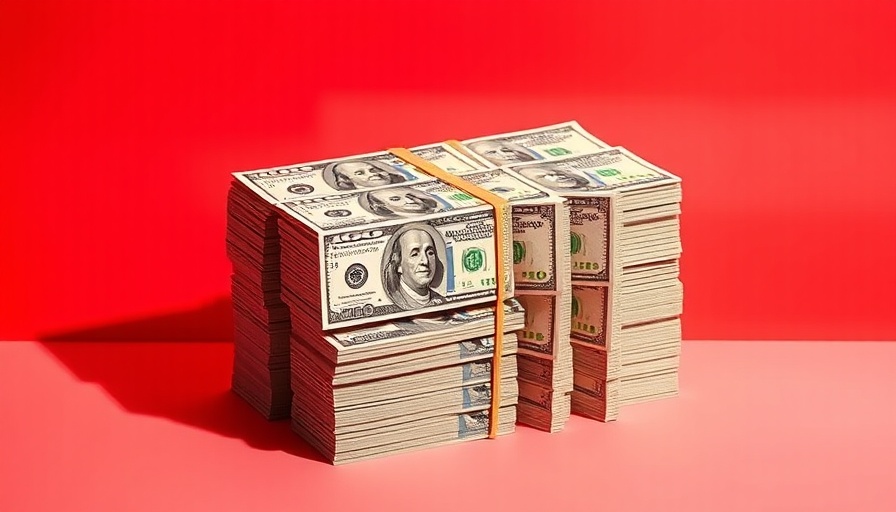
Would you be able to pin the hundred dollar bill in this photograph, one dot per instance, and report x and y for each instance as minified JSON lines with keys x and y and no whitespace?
{"x":439,"y":262}
{"x":589,"y":314}
{"x":545,"y":372}
{"x":379,"y":205}
{"x":543,"y":398}
{"x":551,"y":418}
{"x":328,"y":177}
{"x":384,"y":367}
{"x":546,"y":329}
{"x":536,"y":144}
{"x":454,"y":162}
{"x":468,"y":399}
{"x":584,"y":175}
{"x":540,"y":230}
{"x":447,"y":158}
{"x":509,"y":186}
{"x":421,"y":332}
{"x":539,"y":218}
{"x":476,"y":372}
{"x":596,"y":398}
{"x":590,"y":183}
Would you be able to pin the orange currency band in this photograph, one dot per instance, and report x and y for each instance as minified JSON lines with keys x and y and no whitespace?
{"x":502,"y":209}
{"x":467,"y":153}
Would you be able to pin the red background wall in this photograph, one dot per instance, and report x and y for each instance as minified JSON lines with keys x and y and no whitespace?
{"x":121,"y":121}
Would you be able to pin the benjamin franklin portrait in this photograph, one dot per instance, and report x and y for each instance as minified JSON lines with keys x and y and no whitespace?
{"x":413,"y":267}
{"x":399,"y":202}
{"x":500,"y":152}
{"x":552,"y":177}
{"x":355,"y":174}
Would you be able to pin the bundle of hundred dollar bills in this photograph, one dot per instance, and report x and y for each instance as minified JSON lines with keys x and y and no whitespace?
{"x":541,"y":266}
{"x":625,"y":246}
{"x":365,"y":289}
{"x":388,"y":281}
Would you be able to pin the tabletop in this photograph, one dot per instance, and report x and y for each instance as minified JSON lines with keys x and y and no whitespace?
{"x":153,"y":426}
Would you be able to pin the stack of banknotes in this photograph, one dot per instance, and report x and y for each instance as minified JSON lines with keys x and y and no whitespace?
{"x":391,"y":280}
{"x":625,"y":244}
{"x":385,"y":302}
{"x":261,"y":320}
{"x":541,"y":268}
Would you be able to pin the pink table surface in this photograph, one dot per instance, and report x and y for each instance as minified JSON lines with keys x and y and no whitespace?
{"x":152,"y":426}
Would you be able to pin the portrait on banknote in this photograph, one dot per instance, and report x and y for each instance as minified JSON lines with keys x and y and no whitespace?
{"x":553,"y":177}
{"x":477,"y":347}
{"x":399,"y":202}
{"x":477,"y":370}
{"x":500,"y":152}
{"x":355,"y":174}
{"x":472,"y":424}
{"x":413,"y":267}
{"x":477,"y":395}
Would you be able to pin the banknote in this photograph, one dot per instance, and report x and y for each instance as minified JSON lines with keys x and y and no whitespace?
{"x":470,"y":398}
{"x":500,"y":208}
{"x":539,"y":228}
{"x":536,"y":144}
{"x":327,"y":177}
{"x":536,"y":395}
{"x":445,"y":325}
{"x":600,"y":171}
{"x":537,"y":370}
{"x":539,"y":224}
{"x":477,"y":349}
{"x":473,"y":424}
{"x":445,"y":430}
{"x":589,"y":238}
{"x":507,"y":185}
{"x":546,"y":372}
{"x":412,"y":384}
{"x":550,"y":418}
{"x":540,"y":247}
{"x":447,"y":158}
{"x":439,"y":263}
{"x":408,"y":386}
{"x":538,"y":334}
{"x":592,"y":386}
{"x":589,"y":314}
{"x":359,"y":208}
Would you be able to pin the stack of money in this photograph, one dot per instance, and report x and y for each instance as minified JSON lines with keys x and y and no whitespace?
{"x":404,"y":385}
{"x":366,"y":289}
{"x":627,"y":298}
{"x":541,"y":266}
{"x":366,"y":242}
{"x":261,"y":320}
{"x":626,"y":344}
{"x":545,"y":143}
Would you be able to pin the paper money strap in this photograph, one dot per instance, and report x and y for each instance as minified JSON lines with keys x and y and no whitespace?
{"x":456,"y":145}
{"x":502,"y":211}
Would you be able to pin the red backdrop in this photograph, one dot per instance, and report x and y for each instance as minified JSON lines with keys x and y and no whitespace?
{"x":121,"y":121}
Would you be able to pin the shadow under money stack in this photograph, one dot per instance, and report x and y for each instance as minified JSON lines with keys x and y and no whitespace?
{"x":366,"y":242}
{"x":261,"y":320}
{"x":541,"y":264}
{"x":624,"y":216}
